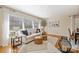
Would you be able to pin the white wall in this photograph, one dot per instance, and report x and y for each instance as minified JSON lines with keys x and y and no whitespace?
{"x":5,"y":27}
{"x":72,"y":23}
{"x":65,"y":23}
{"x":1,"y":16}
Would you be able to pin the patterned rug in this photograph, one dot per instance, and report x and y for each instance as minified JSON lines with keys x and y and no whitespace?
{"x":47,"y":47}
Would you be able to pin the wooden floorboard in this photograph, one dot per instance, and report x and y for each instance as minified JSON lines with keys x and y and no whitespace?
{"x":4,"y":49}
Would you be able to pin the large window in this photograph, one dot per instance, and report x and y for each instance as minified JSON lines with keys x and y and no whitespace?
{"x":77,"y":22}
{"x":36,"y":24}
{"x":15,"y":23}
{"x":27,"y":24}
{"x":18,"y":23}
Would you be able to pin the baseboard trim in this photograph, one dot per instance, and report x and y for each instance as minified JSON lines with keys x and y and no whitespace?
{"x":57,"y":36}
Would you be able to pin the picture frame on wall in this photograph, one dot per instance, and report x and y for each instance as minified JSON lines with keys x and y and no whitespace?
{"x":54,"y":23}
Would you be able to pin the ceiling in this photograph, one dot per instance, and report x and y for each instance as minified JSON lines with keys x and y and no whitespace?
{"x":46,"y":11}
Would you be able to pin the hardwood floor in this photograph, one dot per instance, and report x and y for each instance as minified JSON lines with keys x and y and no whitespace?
{"x":9,"y":49}
{"x":5,"y":49}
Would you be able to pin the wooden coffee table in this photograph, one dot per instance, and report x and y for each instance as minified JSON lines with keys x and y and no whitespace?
{"x":38,"y":40}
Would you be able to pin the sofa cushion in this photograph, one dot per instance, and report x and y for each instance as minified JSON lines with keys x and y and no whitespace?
{"x":25,"y":32}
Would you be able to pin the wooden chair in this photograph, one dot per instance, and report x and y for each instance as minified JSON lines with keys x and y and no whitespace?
{"x":64,"y":45}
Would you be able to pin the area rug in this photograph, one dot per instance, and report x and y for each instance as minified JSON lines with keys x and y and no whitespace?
{"x":47,"y":47}
{"x":33,"y":47}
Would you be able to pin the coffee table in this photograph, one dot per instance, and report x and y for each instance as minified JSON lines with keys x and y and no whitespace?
{"x":38,"y":40}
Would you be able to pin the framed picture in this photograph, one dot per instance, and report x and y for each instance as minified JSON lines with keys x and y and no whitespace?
{"x":54,"y":23}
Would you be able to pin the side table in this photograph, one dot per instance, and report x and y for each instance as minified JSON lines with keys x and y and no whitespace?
{"x":16,"y":41}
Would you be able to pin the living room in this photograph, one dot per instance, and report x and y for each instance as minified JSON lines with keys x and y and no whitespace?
{"x":38,"y":28}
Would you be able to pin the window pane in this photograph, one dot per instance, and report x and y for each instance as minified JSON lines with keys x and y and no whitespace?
{"x":27,"y":23}
{"x":36,"y":24}
{"x":15,"y":23}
